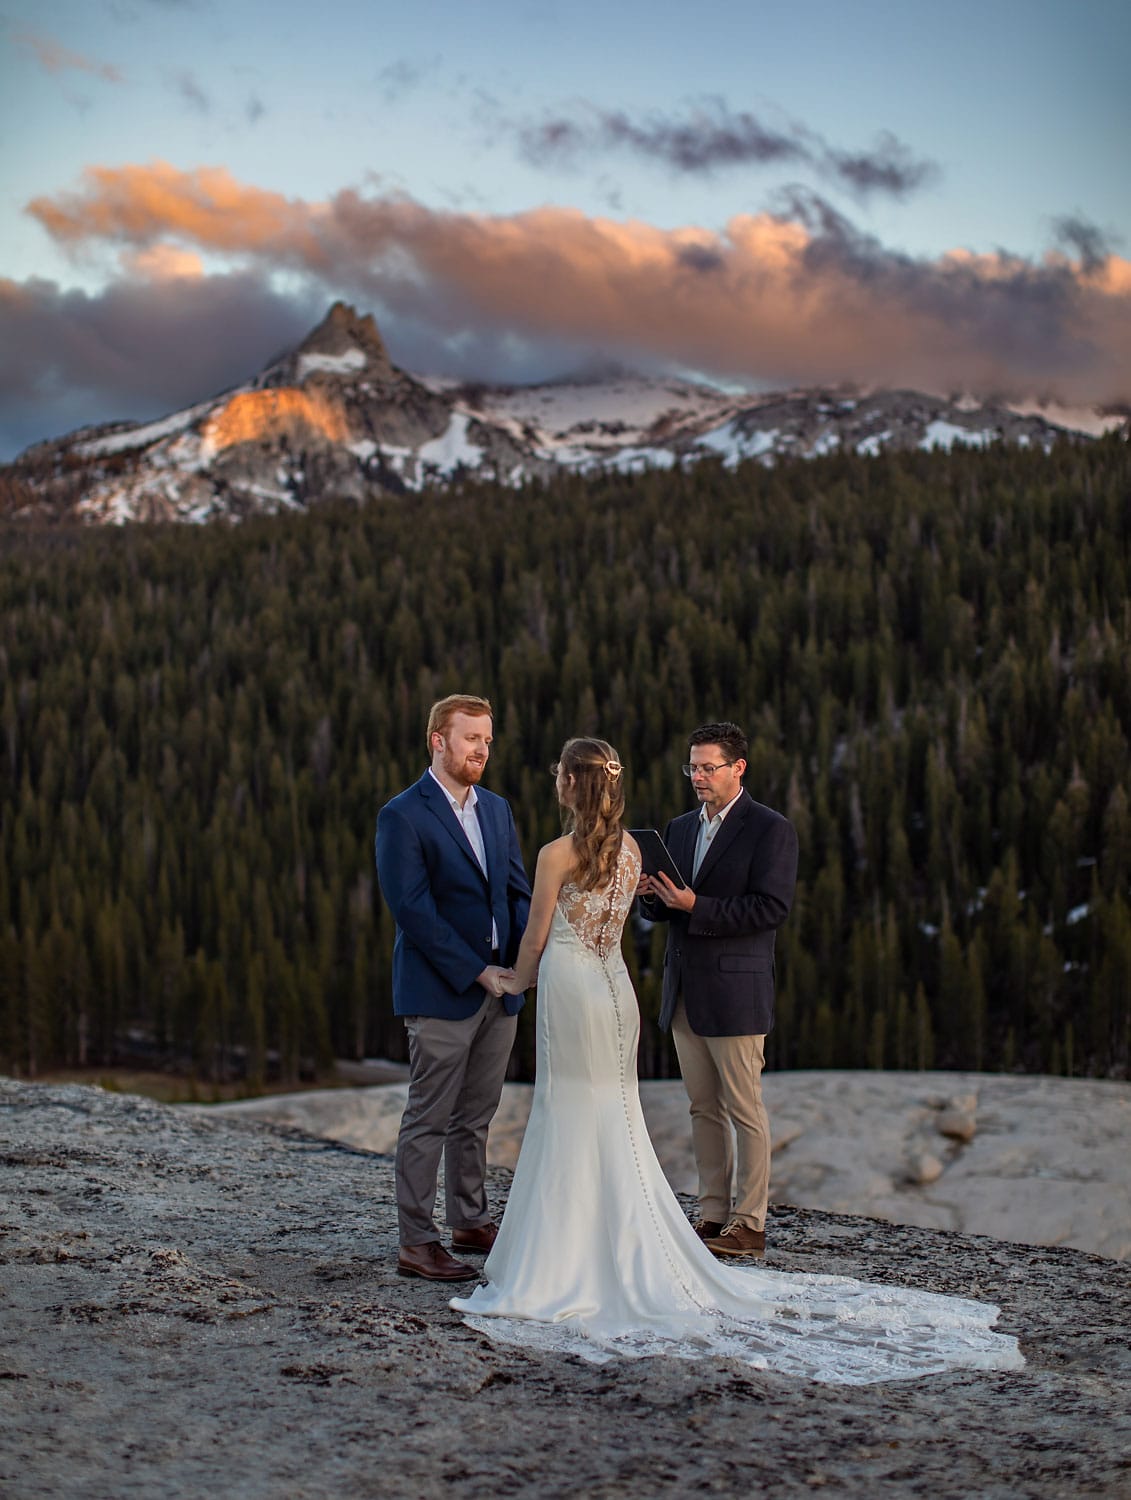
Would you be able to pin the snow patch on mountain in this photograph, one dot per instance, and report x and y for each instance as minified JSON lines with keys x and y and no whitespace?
{"x":634,"y":404}
{"x":454,"y":447}
{"x":142,"y":437}
{"x":941,"y":434}
{"x":734,"y":445}
{"x":331,"y":364}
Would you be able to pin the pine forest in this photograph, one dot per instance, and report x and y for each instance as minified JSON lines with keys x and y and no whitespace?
{"x":930,"y":653}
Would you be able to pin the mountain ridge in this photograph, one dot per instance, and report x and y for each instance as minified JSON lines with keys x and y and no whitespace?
{"x":336,"y":418}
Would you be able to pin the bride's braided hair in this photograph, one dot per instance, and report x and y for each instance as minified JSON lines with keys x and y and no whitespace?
{"x":594,"y":819}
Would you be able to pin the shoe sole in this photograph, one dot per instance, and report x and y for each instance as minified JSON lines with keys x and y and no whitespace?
{"x":738,"y":1254}
{"x":471,"y":1249}
{"x":423,"y":1276}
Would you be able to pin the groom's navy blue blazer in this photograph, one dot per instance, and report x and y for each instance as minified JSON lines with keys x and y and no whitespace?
{"x":443,"y":903}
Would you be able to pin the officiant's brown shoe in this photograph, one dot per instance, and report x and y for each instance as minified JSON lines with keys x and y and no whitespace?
{"x":434,"y":1263}
{"x":707,"y":1229}
{"x":738,"y":1239}
{"x":479,"y":1240}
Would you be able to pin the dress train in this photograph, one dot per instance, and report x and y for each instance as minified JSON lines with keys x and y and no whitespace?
{"x":596,"y":1258}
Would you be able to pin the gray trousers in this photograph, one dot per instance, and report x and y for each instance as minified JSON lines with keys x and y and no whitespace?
{"x":456,"y":1073}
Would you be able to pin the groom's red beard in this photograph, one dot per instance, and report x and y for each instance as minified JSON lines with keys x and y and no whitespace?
{"x":468,"y":771}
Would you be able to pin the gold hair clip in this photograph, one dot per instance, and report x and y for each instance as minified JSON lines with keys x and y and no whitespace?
{"x":613,"y":768}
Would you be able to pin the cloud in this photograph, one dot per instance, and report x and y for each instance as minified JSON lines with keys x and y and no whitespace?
{"x":163,"y":263}
{"x":701,"y":144}
{"x":888,"y":168}
{"x":399,"y":78}
{"x":713,"y":138}
{"x":255,"y":109}
{"x":191,"y":92}
{"x":145,"y":345}
{"x":798,"y":296}
{"x":1089,"y":242}
{"x":53,"y":57}
{"x":136,"y":205}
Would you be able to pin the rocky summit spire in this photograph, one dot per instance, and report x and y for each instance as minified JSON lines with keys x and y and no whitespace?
{"x":344,"y":342}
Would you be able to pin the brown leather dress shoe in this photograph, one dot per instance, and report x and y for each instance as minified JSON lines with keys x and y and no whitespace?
{"x":707,"y":1229}
{"x":480,"y":1239}
{"x":738,"y":1239}
{"x":434,"y":1263}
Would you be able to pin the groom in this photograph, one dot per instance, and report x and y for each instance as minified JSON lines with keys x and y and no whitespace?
{"x":739,"y":860}
{"x":451,"y":871}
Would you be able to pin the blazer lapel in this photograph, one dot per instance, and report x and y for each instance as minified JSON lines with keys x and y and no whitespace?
{"x":437,"y":803}
{"x":683,"y":851}
{"x":725,"y":836}
{"x":490,"y":842}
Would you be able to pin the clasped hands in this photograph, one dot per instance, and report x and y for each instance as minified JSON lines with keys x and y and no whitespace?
{"x":682,"y":898}
{"x":498,"y":981}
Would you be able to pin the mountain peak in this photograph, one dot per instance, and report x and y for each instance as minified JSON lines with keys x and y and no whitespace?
{"x":344,"y":328}
{"x":346,"y":344}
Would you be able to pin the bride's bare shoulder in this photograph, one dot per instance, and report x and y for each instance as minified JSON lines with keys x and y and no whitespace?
{"x":558,"y":852}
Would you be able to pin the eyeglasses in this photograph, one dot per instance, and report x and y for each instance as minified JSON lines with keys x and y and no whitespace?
{"x":704,"y":770}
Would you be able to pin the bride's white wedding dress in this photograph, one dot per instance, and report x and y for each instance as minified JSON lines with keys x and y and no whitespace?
{"x":595,"y":1256}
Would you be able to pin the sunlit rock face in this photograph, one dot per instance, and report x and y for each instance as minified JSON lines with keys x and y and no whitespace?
{"x":262,"y":416}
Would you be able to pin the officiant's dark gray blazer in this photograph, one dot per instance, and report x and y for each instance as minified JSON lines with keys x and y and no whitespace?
{"x":720,"y":955}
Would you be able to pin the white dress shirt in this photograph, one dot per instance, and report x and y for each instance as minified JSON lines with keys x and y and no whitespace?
{"x":469,"y":822}
{"x":708,"y":828}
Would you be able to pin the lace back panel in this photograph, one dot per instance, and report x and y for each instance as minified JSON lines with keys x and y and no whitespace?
{"x":598,"y":917}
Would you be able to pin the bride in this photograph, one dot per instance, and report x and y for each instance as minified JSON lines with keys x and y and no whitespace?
{"x":594,"y":1254}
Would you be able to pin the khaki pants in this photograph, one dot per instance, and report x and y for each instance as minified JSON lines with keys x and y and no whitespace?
{"x":723,"y":1079}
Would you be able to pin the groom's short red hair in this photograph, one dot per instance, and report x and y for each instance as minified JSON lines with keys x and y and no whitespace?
{"x":441,"y":714}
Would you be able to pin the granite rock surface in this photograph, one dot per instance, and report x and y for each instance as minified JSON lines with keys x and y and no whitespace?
{"x":205,"y":1305}
{"x":1036,"y":1159}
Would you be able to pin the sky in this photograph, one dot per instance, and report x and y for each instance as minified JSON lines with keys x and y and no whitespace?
{"x":759,"y":195}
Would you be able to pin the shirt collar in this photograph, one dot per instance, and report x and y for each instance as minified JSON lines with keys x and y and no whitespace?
{"x":468,"y":806}
{"x":705,"y":817}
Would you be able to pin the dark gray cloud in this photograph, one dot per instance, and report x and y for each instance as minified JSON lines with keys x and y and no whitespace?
{"x":701,"y":258}
{"x":135,"y":350}
{"x":700,"y":144}
{"x":713,"y":138}
{"x":888,"y":168}
{"x":1027,"y":314}
{"x":1087,"y":240}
